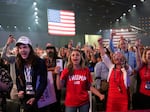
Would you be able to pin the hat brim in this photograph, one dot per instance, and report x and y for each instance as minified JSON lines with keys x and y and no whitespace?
{"x":20,"y":43}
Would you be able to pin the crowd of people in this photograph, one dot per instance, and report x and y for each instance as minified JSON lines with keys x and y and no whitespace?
{"x":118,"y":77}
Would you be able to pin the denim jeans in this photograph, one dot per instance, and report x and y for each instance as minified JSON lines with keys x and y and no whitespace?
{"x":82,"y":108}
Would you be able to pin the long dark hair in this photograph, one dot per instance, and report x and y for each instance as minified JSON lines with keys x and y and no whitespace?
{"x":30,"y":60}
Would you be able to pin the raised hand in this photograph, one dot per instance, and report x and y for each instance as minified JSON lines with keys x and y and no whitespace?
{"x":10,"y":40}
{"x":137,"y":43}
{"x":112,"y":35}
{"x":100,"y":41}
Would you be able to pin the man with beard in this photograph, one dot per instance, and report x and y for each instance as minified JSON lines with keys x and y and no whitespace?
{"x":51,"y":59}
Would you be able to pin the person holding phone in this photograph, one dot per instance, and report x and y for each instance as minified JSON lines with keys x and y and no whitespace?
{"x":11,"y":57}
{"x":52,"y":61}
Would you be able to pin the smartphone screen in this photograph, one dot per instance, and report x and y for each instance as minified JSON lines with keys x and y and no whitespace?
{"x":59,"y":62}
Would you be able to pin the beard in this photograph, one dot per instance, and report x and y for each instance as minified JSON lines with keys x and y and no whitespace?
{"x":51,"y":54}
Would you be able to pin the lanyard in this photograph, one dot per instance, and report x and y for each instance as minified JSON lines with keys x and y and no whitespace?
{"x":28,"y":75}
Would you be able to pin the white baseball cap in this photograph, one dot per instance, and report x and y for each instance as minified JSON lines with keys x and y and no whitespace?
{"x":24,"y":40}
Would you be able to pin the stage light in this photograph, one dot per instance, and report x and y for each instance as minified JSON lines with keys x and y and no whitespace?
{"x":129,"y":10}
{"x":142,"y":0}
{"x":124,"y":14}
{"x":117,"y":20}
{"x":134,"y":6}
{"x":35,"y":8}
{"x":36,"y":20}
{"x":29,"y":28}
{"x":35,"y":13}
{"x":36,"y":17}
{"x":100,"y":30}
{"x":34,"y":3}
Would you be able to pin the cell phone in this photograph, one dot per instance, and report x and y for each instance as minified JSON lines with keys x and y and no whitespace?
{"x":59,"y":62}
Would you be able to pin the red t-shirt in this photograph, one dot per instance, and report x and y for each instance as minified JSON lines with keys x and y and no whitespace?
{"x":145,"y":77}
{"x":77,"y":86}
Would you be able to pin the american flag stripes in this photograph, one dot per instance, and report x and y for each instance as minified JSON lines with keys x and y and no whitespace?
{"x":130,"y":36}
{"x":61,"y":22}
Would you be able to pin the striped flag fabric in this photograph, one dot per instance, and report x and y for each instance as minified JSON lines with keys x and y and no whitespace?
{"x":130,"y":36}
{"x":61,"y":22}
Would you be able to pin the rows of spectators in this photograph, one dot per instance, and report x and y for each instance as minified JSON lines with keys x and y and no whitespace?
{"x":118,"y":77}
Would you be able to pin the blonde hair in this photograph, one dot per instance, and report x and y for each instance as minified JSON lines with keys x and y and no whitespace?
{"x":144,"y":55}
{"x":70,"y":64}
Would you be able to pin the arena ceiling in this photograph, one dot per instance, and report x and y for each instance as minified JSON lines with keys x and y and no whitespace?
{"x":91,"y":15}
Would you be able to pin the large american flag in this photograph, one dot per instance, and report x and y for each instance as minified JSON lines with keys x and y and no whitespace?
{"x":130,"y":36}
{"x":61,"y":22}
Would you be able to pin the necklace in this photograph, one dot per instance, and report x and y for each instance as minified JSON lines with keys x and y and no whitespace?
{"x":118,"y":83}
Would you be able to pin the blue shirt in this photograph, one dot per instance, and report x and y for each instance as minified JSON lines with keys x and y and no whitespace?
{"x":130,"y":56}
{"x":101,"y":73}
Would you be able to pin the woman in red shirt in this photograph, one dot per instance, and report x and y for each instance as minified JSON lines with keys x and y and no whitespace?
{"x":143,"y":64}
{"x":119,"y":72}
{"x":78,"y":81}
